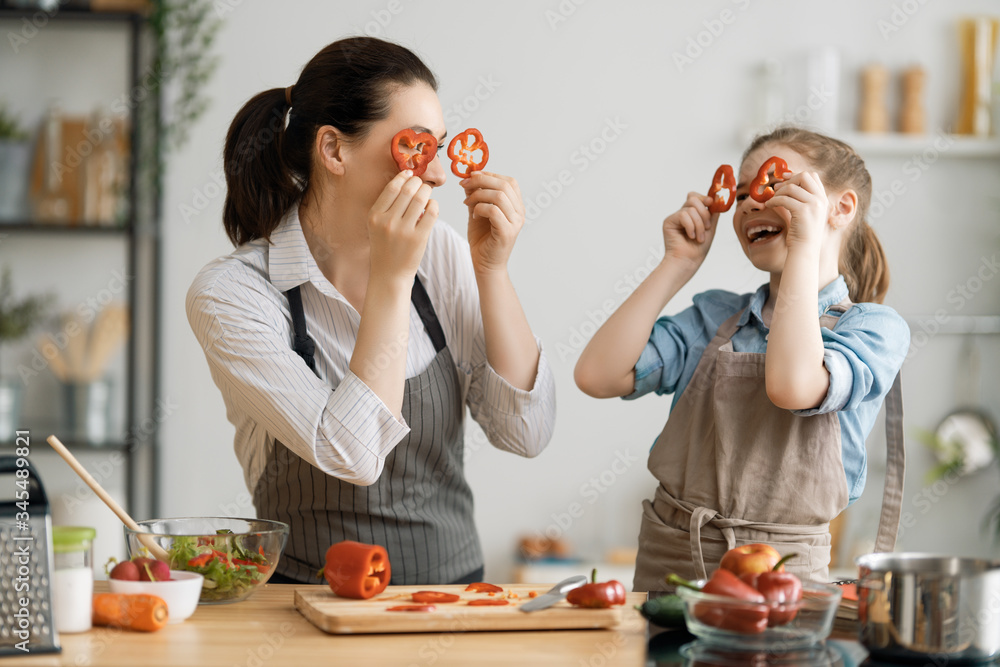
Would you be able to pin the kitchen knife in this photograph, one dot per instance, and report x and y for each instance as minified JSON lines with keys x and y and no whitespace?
{"x":557,"y":593}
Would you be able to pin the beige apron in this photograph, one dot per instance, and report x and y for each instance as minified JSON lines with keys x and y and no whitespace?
{"x":735,"y":469}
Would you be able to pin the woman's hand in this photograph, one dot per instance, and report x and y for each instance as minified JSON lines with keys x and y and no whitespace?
{"x":688,"y":233}
{"x":803,"y":196}
{"x":496,"y":216}
{"x":399,"y":224}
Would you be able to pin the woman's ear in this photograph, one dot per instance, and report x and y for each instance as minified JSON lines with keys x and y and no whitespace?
{"x":843,"y":206}
{"x":329,"y":150}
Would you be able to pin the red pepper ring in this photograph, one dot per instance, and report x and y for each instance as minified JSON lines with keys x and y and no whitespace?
{"x":724,"y":179}
{"x":462,"y":150}
{"x":760,"y":190}
{"x":422,"y":145}
{"x":412,"y":607}
{"x":357,"y":570}
{"x":483,"y":587}
{"x":430,"y":597}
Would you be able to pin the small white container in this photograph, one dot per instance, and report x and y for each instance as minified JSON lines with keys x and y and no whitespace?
{"x":73,"y":578}
{"x":180,"y":592}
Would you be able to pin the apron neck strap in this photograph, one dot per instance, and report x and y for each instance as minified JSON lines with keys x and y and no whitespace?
{"x":892,"y":495}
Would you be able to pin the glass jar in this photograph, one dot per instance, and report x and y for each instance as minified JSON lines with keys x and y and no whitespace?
{"x":73,"y":579}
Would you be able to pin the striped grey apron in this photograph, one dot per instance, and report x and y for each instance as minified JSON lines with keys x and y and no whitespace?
{"x":420,"y":509}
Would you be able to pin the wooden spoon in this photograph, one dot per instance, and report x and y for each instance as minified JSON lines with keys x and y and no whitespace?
{"x":145,"y":538}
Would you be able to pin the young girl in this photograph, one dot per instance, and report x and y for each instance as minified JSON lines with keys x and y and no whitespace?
{"x":348,"y":332}
{"x":775,"y":391}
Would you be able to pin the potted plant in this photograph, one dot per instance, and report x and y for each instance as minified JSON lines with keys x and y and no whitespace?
{"x":17,"y":318}
{"x":15,"y":160}
{"x":965,"y":442}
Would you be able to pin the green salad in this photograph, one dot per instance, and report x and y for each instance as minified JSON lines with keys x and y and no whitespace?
{"x":230,"y":569}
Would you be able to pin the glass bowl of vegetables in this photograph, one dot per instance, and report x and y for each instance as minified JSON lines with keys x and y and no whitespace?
{"x":233,"y":555}
{"x":737,"y":624}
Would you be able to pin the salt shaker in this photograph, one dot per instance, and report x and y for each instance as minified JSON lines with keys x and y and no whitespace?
{"x":73,"y":579}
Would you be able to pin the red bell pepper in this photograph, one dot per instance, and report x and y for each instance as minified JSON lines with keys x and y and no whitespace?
{"x":431,"y":597}
{"x":487,"y":602}
{"x":483,"y":587}
{"x":462,"y":151}
{"x":743,"y":615}
{"x":759,"y":189}
{"x":356,"y":570}
{"x":597,"y":596}
{"x":419,"y":152}
{"x":724,"y":179}
{"x":782,"y":590}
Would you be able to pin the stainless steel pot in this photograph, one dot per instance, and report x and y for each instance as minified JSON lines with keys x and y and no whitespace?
{"x":914,"y":606}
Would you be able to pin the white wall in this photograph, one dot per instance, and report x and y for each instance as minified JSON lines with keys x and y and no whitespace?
{"x":556,"y":87}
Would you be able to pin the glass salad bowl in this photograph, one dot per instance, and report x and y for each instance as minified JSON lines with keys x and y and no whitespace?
{"x":727,"y":622}
{"x":233,"y":555}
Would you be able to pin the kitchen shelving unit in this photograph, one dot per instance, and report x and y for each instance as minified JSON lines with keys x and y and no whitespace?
{"x":141,"y":235}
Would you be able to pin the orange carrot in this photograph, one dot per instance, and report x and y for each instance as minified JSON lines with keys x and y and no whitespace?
{"x":141,"y":612}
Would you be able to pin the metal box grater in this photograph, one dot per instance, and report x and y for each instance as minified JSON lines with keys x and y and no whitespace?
{"x":16,"y":536}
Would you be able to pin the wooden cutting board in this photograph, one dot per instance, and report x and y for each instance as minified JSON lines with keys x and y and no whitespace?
{"x":338,"y":615}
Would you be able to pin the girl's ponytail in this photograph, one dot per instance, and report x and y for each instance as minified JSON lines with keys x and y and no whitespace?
{"x":260,"y":186}
{"x":864,"y":266}
{"x":267,"y":162}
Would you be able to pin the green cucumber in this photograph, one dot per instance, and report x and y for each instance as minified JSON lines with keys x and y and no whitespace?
{"x":667,"y":611}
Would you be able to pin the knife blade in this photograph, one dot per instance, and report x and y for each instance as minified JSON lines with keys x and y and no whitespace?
{"x":557,"y":593}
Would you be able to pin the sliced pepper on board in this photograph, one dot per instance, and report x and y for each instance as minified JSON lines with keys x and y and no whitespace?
{"x":483,"y":587}
{"x":760,"y":190}
{"x":462,"y":151}
{"x":487,"y":602}
{"x":413,"y":151}
{"x":412,"y":607}
{"x":357,"y":570}
{"x":431,"y":597}
{"x":724,"y":179}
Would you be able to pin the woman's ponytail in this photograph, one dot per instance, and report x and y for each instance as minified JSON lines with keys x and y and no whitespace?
{"x":260,"y":186}
{"x":267,"y":161}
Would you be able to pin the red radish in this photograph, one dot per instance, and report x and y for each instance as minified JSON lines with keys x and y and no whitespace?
{"x":125,"y":571}
{"x":151,"y":569}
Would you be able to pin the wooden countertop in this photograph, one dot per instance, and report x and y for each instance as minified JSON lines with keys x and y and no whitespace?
{"x":266,"y":630}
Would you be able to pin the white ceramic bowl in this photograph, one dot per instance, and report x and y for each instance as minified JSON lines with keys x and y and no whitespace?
{"x":180,"y":593}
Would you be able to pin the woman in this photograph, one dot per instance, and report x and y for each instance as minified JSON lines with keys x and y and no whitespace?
{"x":347,"y":332}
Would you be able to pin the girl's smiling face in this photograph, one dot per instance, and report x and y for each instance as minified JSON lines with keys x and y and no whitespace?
{"x":761,"y":229}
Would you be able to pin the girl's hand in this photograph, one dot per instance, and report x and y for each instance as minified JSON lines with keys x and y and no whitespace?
{"x":688,"y":233}
{"x":496,"y":215}
{"x":804,"y":198}
{"x":399,"y":225}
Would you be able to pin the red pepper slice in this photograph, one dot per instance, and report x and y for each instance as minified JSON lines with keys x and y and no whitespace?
{"x":434,"y":596}
{"x":724,"y":179}
{"x":413,"y":151}
{"x":462,"y":151}
{"x":412,"y":607}
{"x":483,"y":587}
{"x":487,"y":602}
{"x":759,"y":189}
{"x":357,"y":570}
{"x":597,"y":596}
{"x":199,"y":561}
